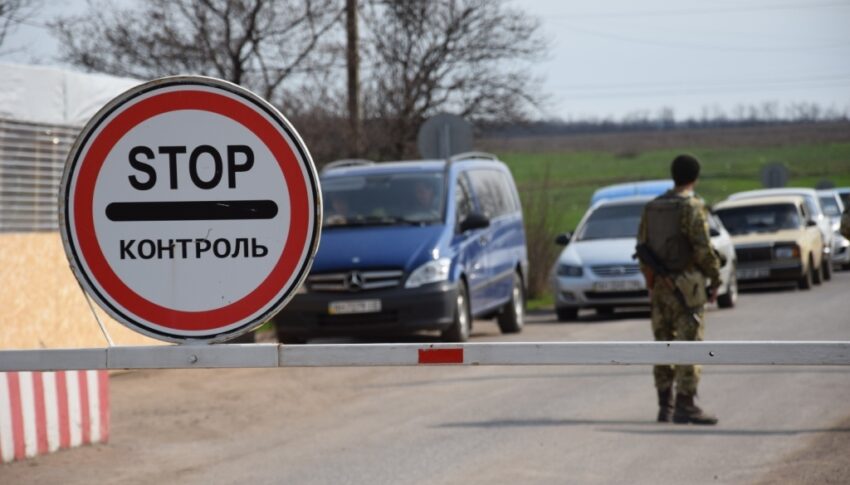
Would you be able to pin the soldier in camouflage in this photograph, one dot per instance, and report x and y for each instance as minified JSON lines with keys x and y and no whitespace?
{"x":845,"y":223}
{"x":675,"y":227}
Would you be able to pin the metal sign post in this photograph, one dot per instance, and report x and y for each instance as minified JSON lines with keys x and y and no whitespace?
{"x":190,"y":209}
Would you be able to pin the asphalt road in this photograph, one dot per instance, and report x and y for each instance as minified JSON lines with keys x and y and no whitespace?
{"x":493,"y":425}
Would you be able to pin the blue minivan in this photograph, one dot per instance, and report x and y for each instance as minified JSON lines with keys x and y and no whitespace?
{"x":416,"y":245}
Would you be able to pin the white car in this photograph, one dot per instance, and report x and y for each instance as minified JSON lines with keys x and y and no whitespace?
{"x":815,"y":213}
{"x":833,"y":207}
{"x":597,"y":269}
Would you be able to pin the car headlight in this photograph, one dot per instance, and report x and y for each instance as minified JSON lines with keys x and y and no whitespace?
{"x":570,"y":270}
{"x":787,"y":252}
{"x":430,"y":272}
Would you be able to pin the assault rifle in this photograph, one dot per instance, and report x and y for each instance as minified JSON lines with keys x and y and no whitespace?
{"x":647,"y":257}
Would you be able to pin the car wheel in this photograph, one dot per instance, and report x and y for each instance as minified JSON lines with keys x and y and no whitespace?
{"x":805,"y":281}
{"x":512,"y":317}
{"x":459,"y":331}
{"x":566,"y":314}
{"x":728,"y":299}
{"x":826,"y":269}
{"x":816,"y":274}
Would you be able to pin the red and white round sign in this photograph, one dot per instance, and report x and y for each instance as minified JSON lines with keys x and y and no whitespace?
{"x":190,"y":209}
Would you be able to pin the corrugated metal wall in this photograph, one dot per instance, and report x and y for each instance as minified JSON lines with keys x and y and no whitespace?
{"x":32,"y":157}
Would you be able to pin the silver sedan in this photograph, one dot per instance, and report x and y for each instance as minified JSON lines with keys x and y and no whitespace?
{"x":597,"y":270}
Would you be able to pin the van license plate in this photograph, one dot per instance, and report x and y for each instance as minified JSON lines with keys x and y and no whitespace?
{"x":354,"y":306}
{"x":752,"y":273}
{"x":617,"y":285}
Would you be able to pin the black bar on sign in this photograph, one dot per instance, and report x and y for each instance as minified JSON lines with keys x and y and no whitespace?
{"x":191,"y":211}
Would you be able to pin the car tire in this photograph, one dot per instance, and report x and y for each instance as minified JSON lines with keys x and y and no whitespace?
{"x":805,"y":281}
{"x":728,"y":299}
{"x":566,"y":314}
{"x":460,"y":328}
{"x":512,"y":317}
{"x":817,"y":274}
{"x":826,"y":269}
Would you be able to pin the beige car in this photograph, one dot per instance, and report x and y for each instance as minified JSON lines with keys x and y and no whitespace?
{"x":775,"y":240}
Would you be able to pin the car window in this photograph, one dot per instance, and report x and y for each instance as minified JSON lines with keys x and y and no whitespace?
{"x":760,"y":218}
{"x":830,"y":206}
{"x":612,"y":221}
{"x":463,"y":200}
{"x":812,"y":205}
{"x":383,"y":199}
{"x":488,"y":188}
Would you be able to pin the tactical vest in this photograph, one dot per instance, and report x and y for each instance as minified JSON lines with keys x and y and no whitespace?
{"x":666,"y":232}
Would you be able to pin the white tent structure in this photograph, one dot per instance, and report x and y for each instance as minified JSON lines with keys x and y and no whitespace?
{"x":42,"y":109}
{"x":52,"y":95}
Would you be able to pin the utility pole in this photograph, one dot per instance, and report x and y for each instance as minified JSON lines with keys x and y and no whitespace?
{"x":353,"y":61}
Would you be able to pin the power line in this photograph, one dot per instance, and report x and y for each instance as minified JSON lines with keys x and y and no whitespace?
{"x":686,"y":91}
{"x":688,"y":45}
{"x":718,"y":84}
{"x":700,"y":11}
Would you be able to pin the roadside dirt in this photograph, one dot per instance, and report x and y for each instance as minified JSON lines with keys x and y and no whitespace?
{"x":823,"y":461}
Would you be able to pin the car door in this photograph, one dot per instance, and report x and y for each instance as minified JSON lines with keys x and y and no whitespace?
{"x":507,"y":238}
{"x":813,"y":236}
{"x":471,"y":245}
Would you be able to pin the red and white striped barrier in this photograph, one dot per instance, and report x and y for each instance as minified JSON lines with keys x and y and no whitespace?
{"x":41,"y":412}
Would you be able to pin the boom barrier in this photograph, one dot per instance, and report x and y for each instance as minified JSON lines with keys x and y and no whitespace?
{"x":470,"y":354}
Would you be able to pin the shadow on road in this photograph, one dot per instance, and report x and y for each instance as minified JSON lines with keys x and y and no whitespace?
{"x":719,"y":431}
{"x":660,"y":428}
{"x":513,"y":423}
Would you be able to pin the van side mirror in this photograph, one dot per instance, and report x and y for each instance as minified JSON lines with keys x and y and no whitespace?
{"x":563,"y":239}
{"x":476,"y":220}
{"x":811,"y":223}
{"x":713,"y":232}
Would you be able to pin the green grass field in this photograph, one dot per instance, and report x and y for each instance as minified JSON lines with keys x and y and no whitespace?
{"x":570,"y":178}
{"x":556,"y":187}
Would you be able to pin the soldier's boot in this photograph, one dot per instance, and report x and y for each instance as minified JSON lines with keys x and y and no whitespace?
{"x":688,"y":412}
{"x":665,"y":405}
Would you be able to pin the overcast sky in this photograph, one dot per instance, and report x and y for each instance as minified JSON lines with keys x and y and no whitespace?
{"x":610,"y":58}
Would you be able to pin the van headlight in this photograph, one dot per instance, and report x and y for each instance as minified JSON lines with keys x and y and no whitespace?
{"x":430,"y":272}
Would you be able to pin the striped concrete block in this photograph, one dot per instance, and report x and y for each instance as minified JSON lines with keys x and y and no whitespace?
{"x":41,"y":412}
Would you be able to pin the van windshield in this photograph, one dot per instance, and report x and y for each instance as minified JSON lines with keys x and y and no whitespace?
{"x":383,"y":199}
{"x":612,"y":222}
{"x":760,"y":218}
{"x":830,"y":206}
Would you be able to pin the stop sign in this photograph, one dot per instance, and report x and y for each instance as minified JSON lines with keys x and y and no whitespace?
{"x":190,"y":209}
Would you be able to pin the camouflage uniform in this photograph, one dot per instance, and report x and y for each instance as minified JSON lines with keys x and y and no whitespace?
{"x":845,"y":223}
{"x":670,"y":320}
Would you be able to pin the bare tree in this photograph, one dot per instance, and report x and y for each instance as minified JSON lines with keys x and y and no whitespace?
{"x":254,"y":43}
{"x":13,"y":13}
{"x":468,"y":57}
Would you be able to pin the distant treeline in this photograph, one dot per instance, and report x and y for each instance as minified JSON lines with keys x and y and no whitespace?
{"x":664,"y":122}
